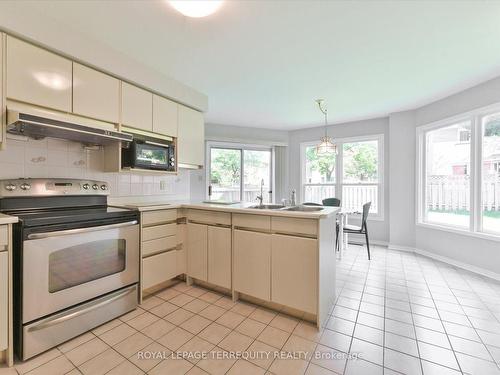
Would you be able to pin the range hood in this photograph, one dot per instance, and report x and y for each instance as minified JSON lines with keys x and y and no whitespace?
{"x":39,"y":127}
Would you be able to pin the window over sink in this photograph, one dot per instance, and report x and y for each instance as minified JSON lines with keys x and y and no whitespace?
{"x":236,"y":171}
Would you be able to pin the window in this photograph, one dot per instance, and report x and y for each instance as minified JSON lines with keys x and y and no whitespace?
{"x":319,"y":175}
{"x":458,"y":174}
{"x":353,"y":175}
{"x":360,"y":175}
{"x":490,"y":161}
{"x":447,"y":181}
{"x":236,"y":172}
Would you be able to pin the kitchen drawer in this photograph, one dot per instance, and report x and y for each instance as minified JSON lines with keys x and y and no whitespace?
{"x":4,"y":238}
{"x":159,"y":231}
{"x":260,"y":222}
{"x":158,"y":245}
{"x":293,"y":225}
{"x":158,"y":269}
{"x":158,"y":217}
{"x":209,"y":217}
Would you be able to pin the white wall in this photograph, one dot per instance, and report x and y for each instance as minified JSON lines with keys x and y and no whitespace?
{"x":402,"y":179}
{"x":65,"y":159}
{"x":378,"y":229}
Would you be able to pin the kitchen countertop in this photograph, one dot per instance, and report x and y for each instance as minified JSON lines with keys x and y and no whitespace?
{"x":7,"y":219}
{"x":233,"y":208}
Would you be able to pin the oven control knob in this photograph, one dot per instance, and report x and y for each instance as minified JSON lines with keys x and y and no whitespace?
{"x":10,"y":187}
{"x":172,"y":163}
{"x":95,"y":186}
{"x":86,"y":186}
{"x":104,"y":187}
{"x":25,"y":186}
{"x":172,"y":159}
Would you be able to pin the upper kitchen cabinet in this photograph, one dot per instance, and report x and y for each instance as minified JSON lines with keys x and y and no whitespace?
{"x":191,"y":138}
{"x":95,"y":94}
{"x":164,"y":116}
{"x":137,"y":107}
{"x":37,"y":76}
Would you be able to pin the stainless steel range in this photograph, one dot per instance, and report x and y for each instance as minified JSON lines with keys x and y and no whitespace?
{"x":76,"y":260}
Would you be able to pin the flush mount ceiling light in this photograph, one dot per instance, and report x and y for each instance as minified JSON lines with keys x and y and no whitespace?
{"x":196,"y":8}
{"x":326,"y":145}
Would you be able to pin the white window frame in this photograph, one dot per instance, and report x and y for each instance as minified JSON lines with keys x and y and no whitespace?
{"x":241,"y":147}
{"x":339,"y":172}
{"x":475,"y":228}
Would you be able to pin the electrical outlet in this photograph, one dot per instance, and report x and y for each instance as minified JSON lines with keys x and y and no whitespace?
{"x":166,"y":187}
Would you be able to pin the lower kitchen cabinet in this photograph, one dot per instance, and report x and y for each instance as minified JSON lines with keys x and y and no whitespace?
{"x":197,"y":255}
{"x":219,"y":256}
{"x":159,"y":268}
{"x":294,"y":272}
{"x":4,"y":299}
{"x":209,"y":254}
{"x":252,"y":263}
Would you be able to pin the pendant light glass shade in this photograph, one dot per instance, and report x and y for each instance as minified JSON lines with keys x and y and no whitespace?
{"x":326,"y":145}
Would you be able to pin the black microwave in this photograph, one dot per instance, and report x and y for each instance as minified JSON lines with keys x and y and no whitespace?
{"x":150,"y":153}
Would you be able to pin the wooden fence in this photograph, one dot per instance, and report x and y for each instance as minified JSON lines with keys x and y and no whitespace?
{"x":452,"y":193}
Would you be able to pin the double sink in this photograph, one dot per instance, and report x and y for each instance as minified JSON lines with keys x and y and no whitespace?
{"x":284,"y":208}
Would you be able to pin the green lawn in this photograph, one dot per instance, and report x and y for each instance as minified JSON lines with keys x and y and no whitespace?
{"x":493,"y":214}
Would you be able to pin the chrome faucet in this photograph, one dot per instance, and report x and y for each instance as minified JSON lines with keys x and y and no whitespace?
{"x":292,"y":197}
{"x":260,"y":197}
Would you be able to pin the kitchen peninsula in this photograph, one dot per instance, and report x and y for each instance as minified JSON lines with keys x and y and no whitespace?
{"x":279,"y":257}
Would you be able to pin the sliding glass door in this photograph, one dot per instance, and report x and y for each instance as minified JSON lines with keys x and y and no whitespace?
{"x":236,"y":173}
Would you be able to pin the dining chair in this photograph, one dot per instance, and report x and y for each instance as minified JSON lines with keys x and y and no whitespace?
{"x":334,"y":202}
{"x":354,"y":229}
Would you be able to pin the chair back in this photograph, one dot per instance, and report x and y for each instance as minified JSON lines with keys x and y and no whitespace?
{"x":366,"y":211}
{"x":311,"y":204}
{"x":333,"y":202}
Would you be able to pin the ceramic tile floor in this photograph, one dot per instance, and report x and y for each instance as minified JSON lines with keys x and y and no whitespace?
{"x":402,"y":313}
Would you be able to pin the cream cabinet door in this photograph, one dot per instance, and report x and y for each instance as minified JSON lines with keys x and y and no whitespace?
{"x":164,"y":116}
{"x":219,"y":256}
{"x":159,"y":268}
{"x":4,"y":300}
{"x":137,"y":107}
{"x":95,"y":94}
{"x":37,"y":76}
{"x":2,"y":130}
{"x":295,"y":272}
{"x":191,"y":137}
{"x":252,"y":263}
{"x":197,"y":242}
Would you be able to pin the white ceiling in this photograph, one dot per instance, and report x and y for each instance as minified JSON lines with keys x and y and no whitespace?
{"x":262,"y":63}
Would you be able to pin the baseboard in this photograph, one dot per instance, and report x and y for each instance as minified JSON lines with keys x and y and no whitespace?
{"x":354,"y":241}
{"x":453,"y":262}
{"x":401,"y":248}
{"x":456,"y":263}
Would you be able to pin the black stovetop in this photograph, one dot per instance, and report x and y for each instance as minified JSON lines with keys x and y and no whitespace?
{"x":65,"y":210}
{"x":31,"y":218}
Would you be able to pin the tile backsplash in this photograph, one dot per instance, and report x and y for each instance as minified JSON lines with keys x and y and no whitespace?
{"x":60,"y":158}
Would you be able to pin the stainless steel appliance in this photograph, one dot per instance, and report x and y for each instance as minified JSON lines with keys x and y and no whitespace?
{"x":76,"y":260}
{"x":38,"y":127}
{"x":149,"y":153}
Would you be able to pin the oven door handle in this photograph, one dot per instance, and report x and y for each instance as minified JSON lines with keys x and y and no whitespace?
{"x":63,"y":317}
{"x":36,"y":236}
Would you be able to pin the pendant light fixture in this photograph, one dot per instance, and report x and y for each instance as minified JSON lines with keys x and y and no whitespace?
{"x":325,"y":146}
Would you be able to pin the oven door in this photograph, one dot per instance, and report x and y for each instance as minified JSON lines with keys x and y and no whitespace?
{"x":151,"y":156}
{"x":67,"y":267}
